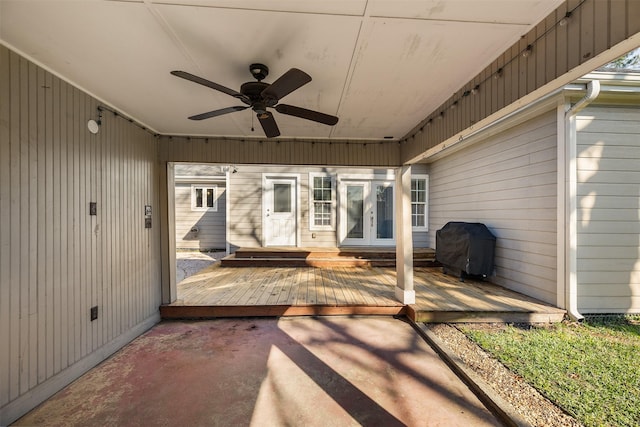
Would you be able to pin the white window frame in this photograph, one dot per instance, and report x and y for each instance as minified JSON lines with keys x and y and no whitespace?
{"x":424,"y":178}
{"x":312,"y":226}
{"x":204,"y":188}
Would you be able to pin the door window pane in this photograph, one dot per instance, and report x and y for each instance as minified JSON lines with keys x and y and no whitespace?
{"x":281,"y":197}
{"x":384,"y":212}
{"x":355,"y":211}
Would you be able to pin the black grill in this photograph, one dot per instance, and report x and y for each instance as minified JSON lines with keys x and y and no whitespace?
{"x":466,"y":249}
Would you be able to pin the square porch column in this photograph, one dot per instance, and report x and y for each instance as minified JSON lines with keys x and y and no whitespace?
{"x":404,"y":238}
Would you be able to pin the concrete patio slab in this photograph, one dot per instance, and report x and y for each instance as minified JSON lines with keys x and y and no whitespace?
{"x":270,"y":372}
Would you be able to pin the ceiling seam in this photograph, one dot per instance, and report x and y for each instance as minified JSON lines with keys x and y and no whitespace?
{"x":352,"y":65}
{"x":169,"y":31}
{"x":255,"y":9}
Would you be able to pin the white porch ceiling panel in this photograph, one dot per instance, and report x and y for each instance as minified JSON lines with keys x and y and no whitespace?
{"x":381,"y":66}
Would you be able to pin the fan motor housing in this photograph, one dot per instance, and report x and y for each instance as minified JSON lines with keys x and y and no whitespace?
{"x":254,"y":91}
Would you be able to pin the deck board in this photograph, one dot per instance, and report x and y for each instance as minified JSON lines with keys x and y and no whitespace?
{"x":351,"y":290}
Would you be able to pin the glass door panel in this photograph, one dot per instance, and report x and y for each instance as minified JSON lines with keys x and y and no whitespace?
{"x":355,"y":211}
{"x":384,"y":211}
{"x":282,"y":197}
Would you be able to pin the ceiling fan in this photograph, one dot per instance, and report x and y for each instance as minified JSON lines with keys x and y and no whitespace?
{"x":259,"y":96}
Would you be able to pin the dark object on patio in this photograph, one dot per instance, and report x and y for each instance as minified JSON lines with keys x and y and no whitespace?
{"x":465,"y":249}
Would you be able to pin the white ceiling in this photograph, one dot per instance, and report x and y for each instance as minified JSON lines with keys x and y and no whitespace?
{"x":381,"y":66}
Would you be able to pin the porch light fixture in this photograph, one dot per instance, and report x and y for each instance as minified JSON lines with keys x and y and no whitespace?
{"x":527,"y":51}
{"x":94,"y":125}
{"x":475,"y":90}
{"x":564,"y":21}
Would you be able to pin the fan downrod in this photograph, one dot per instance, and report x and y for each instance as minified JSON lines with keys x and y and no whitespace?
{"x":259,"y":71}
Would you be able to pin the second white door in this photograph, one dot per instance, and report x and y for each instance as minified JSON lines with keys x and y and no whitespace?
{"x":367,"y":214}
{"x":280,"y":212}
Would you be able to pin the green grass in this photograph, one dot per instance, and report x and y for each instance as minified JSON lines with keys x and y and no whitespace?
{"x":591,"y":370}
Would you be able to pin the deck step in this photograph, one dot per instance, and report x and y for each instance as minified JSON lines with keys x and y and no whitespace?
{"x":365,"y":253}
{"x":324,"y":257}
{"x":234,"y":261}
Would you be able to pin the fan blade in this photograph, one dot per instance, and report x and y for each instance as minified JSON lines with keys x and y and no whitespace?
{"x":269,"y":125}
{"x":215,"y":113}
{"x":212,"y":85}
{"x":287,"y":83}
{"x":303,"y":113}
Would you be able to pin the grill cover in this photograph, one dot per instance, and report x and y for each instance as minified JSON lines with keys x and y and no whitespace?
{"x":465,"y":247}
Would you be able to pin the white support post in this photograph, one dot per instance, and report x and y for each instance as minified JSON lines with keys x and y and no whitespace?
{"x":404,"y":238}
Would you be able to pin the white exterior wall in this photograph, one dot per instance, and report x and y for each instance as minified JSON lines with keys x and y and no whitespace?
{"x":608,"y":215}
{"x":57,"y":261}
{"x":507,"y":182}
{"x":211,"y":224}
{"x":245,"y":205}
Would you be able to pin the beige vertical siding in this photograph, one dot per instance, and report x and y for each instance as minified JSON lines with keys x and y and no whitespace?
{"x":211,"y":224}
{"x":608,"y":217}
{"x":56,"y":261}
{"x":594,"y":27}
{"x":338,"y":153}
{"x":507,"y":182}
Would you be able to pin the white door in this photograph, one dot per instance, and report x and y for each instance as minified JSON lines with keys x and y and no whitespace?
{"x":367,"y":213}
{"x":279,"y":210}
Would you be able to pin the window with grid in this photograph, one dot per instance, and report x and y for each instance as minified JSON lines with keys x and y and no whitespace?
{"x":204,"y":198}
{"x":419,"y":203}
{"x":321,"y":215}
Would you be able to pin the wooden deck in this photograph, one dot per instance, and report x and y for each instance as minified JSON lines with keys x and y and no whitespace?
{"x":294,"y":291}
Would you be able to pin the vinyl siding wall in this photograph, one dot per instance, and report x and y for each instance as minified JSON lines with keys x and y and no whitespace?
{"x":56,"y":261}
{"x":608,"y":216}
{"x":507,"y":182}
{"x":245,"y":204}
{"x":211,"y":224}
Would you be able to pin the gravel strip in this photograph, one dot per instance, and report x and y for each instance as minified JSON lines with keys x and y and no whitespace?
{"x":527,"y":401}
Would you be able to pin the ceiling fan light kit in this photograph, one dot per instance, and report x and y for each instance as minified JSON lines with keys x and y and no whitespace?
{"x":259,"y":96}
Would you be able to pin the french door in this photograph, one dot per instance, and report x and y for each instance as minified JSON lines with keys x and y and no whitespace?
{"x":367,"y":213}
